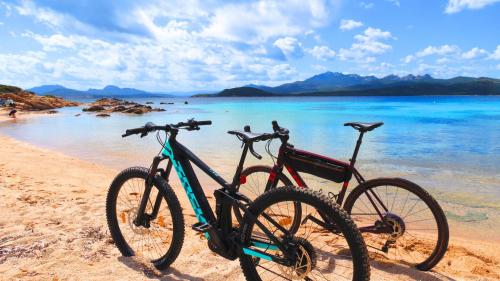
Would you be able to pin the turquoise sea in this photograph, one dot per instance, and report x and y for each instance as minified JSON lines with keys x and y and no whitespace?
{"x":450,"y":145}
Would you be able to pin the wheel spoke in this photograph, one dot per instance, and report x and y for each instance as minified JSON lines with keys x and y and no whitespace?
{"x":420,"y":234}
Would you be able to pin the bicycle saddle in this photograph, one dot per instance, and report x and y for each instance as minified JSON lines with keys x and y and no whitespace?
{"x":364,"y":127}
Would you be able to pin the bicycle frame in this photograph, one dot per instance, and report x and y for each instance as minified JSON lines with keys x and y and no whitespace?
{"x":217,"y":227}
{"x":350,"y":171}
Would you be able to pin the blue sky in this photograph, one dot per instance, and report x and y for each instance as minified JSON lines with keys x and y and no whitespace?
{"x":206,"y":45}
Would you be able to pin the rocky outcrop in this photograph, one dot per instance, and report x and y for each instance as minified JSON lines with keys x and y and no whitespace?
{"x":28,"y":101}
{"x":94,"y":108}
{"x":109,"y":105}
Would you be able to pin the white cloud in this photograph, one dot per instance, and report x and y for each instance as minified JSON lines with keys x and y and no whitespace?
{"x":455,"y":6}
{"x":258,"y":21}
{"x":185,"y":62}
{"x":7,"y":8}
{"x":367,"y":44}
{"x":322,"y":52}
{"x":290,"y":46}
{"x":496,"y":54}
{"x":446,"y":70}
{"x":319,"y":67}
{"x":474,"y":53}
{"x":374,"y":33}
{"x":366,"y":5}
{"x":448,"y":60}
{"x":177,"y":54}
{"x":408,"y":58}
{"x":53,"y":42}
{"x":46,"y":16}
{"x":59,"y":22}
{"x":282,"y":72}
{"x":443,"y":60}
{"x":349,"y":24}
{"x":438,"y":50}
{"x":381,"y":69}
{"x":395,"y":2}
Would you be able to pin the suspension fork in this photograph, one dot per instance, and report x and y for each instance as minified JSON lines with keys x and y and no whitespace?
{"x":141,"y":219}
{"x":165,"y":175}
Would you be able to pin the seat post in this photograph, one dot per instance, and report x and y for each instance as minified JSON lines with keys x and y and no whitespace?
{"x":356,"y":149}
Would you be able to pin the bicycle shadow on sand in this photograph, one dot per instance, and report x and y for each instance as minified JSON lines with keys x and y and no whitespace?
{"x":153,"y":273}
{"x":412,"y":273}
{"x":382,"y":269}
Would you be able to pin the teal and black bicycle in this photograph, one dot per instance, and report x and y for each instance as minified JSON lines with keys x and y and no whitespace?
{"x":145,"y":218}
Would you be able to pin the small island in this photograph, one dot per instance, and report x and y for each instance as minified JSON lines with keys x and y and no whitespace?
{"x":105,"y":106}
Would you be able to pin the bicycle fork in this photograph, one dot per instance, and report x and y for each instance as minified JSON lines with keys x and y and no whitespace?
{"x":141,"y":218}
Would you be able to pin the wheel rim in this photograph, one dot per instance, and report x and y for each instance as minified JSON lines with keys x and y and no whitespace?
{"x":153,"y":242}
{"x":329,"y":256}
{"x":414,"y":233}
{"x":254,"y":184}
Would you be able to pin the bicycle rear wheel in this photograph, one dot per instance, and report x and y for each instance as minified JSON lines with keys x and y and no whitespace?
{"x":411,"y":227}
{"x":253,"y":184}
{"x":326,"y":246}
{"x":160,"y":241}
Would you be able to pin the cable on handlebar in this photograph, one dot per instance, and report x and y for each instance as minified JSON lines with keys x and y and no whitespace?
{"x":268,"y":150}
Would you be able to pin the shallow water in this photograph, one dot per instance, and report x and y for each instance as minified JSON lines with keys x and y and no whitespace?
{"x":447,"y":144}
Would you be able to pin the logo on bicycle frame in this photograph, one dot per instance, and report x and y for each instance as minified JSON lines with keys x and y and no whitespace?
{"x":167,"y":151}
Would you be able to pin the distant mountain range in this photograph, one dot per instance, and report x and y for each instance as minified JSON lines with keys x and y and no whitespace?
{"x":324,"y":84}
{"x":108,"y":91}
{"x":338,"y":84}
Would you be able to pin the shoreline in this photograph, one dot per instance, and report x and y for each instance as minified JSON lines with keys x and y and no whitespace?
{"x":55,"y":219}
{"x":22,"y":115}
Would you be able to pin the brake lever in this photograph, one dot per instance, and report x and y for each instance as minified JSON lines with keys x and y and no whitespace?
{"x":192,"y":128}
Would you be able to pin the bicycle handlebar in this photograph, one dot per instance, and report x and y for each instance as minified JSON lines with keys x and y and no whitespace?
{"x":279,"y":132}
{"x":250,"y":146}
{"x":190,"y":125}
{"x":255,"y":154}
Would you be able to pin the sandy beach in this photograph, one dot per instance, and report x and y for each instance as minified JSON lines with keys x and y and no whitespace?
{"x":53,"y":227}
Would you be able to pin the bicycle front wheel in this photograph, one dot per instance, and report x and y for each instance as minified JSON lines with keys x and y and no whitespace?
{"x":159,"y":239}
{"x":326,"y":246}
{"x":401,"y":220}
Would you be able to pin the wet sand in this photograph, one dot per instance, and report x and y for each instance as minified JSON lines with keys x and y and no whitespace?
{"x":20,"y":115}
{"x":53,"y":227}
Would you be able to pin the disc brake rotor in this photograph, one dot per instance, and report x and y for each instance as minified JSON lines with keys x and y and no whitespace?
{"x":304,"y":263}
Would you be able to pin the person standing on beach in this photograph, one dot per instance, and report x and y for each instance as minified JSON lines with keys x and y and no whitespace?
{"x":12,"y":113}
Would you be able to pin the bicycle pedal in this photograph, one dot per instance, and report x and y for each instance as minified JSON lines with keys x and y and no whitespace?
{"x":201,"y":227}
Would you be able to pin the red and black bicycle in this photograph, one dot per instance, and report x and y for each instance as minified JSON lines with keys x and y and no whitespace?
{"x":397,"y":217}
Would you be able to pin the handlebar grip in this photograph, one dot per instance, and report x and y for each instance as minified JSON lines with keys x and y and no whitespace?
{"x":203,"y":123}
{"x":130,"y":132}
